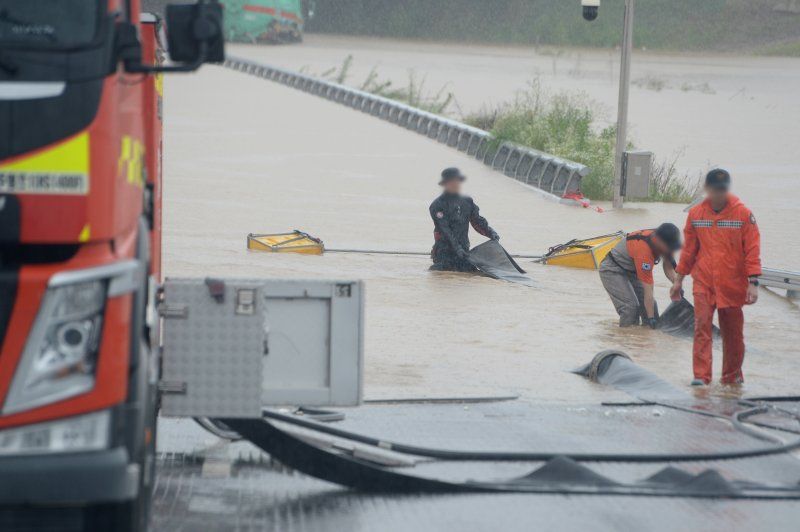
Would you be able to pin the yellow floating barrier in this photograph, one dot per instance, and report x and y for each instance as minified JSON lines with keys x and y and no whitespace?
{"x":586,"y":254}
{"x":294,"y":242}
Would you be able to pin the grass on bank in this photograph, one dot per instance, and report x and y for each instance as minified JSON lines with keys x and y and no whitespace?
{"x":564,"y":125}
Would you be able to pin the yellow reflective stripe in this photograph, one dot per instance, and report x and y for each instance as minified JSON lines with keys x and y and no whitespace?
{"x":69,"y":156}
{"x":61,"y":169}
{"x":85,"y":235}
{"x":159,"y":82}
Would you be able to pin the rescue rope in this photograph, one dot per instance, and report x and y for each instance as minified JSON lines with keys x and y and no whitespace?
{"x":413,"y":253}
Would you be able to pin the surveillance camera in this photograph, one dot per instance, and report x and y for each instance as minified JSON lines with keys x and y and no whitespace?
{"x":591,"y":8}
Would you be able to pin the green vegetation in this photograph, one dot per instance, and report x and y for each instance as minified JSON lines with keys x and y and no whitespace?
{"x":564,"y":124}
{"x":413,"y":93}
{"x":719,"y":25}
{"x":670,"y":185}
{"x":791,"y":48}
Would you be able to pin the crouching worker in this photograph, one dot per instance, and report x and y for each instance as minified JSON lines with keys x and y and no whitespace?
{"x":452,"y":214}
{"x":627,"y":272}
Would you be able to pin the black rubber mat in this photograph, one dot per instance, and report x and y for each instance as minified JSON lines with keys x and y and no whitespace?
{"x":678,"y":319}
{"x":255,"y":493}
{"x":494,"y":261}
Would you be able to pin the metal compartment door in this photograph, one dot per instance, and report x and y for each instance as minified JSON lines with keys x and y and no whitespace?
{"x":314,"y":340}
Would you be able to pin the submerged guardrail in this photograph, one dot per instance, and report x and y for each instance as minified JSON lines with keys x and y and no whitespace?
{"x":783,"y":279}
{"x":555,"y":178}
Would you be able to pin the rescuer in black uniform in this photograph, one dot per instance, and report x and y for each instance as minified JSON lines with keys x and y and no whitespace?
{"x":452,"y":214}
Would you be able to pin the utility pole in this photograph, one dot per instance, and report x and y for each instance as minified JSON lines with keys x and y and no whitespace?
{"x":622,"y":107}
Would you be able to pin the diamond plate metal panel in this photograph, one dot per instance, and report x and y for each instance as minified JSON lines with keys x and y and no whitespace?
{"x":260,"y":343}
{"x":213,"y":351}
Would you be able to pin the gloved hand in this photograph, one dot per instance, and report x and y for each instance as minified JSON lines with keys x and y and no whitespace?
{"x":652,"y":323}
{"x":676,"y":291}
{"x":494,"y":236}
{"x":462,"y":254}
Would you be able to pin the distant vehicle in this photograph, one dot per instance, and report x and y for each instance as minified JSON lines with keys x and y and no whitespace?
{"x":270,"y":21}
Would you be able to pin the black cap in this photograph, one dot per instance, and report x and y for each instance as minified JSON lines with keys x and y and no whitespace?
{"x":670,"y":235}
{"x":448,"y":174}
{"x":719,"y":179}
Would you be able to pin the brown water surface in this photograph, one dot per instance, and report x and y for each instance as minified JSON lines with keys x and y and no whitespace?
{"x":246,"y":155}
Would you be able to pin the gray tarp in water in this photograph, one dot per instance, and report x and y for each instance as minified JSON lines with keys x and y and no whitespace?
{"x":494,"y":261}
{"x":614,"y":368}
{"x":678,"y":319}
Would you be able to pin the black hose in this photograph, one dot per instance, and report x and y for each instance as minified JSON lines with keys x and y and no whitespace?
{"x":323,"y":416}
{"x":442,"y":400}
{"x":775,"y":399}
{"x":771,"y":407}
{"x":217,"y":428}
{"x":738,"y":426}
{"x":736,"y":420}
{"x":357,"y":474}
{"x":505,"y":456}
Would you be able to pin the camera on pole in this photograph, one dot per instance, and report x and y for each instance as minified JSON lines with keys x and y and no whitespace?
{"x":591,"y":8}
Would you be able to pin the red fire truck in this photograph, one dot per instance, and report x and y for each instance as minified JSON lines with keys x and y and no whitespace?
{"x":80,"y":171}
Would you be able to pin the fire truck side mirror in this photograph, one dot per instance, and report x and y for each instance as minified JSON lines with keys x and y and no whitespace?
{"x":194,"y":33}
{"x":194,"y":37}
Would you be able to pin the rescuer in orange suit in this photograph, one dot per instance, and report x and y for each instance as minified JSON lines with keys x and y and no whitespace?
{"x":722,"y":254}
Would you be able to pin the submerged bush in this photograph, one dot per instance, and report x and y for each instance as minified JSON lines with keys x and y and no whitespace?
{"x":414,"y":93}
{"x":564,"y":125}
{"x":560,"y":124}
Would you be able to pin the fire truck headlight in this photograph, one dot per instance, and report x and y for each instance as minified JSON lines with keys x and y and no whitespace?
{"x":59,"y":358}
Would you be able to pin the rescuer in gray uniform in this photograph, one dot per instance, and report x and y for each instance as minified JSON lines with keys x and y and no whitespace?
{"x":452,"y":214}
{"x":627,"y":272}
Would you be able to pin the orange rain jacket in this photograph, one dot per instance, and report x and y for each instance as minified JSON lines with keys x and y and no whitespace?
{"x":722,"y":250}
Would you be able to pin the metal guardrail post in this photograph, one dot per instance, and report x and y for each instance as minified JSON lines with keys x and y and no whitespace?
{"x":572,"y":174}
{"x":524,"y":166}
{"x":501,"y":157}
{"x":464,"y":138}
{"x":549,"y":178}
{"x":444,"y":133}
{"x":483,"y":147}
{"x":453,"y":136}
{"x":474,"y":144}
{"x":538,"y":170}
{"x":514,"y":158}
{"x":560,"y":181}
{"x":433,"y":129}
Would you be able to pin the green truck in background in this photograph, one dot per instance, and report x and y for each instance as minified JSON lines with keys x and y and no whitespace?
{"x":272,"y":21}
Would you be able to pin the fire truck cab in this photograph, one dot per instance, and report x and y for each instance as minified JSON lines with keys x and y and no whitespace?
{"x":80,"y":186}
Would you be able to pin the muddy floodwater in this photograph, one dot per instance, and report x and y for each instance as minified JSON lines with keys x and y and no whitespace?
{"x":741,"y":113}
{"x":245,"y":155}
